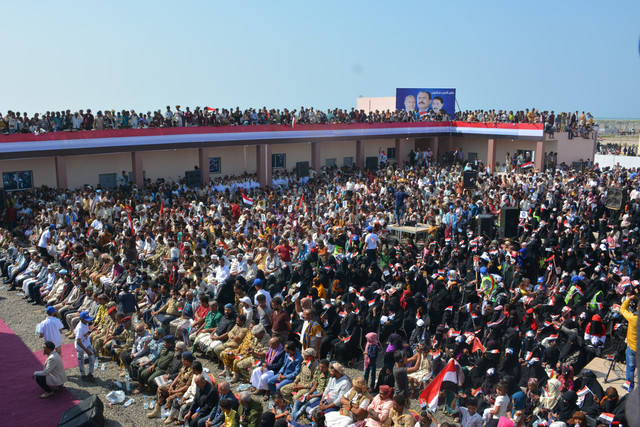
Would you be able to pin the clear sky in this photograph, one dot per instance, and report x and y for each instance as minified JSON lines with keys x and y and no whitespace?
{"x":560,"y":55}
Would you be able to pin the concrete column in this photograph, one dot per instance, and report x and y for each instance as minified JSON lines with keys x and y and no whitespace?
{"x":539,"y":162}
{"x":450,"y":146}
{"x":61,"y":172}
{"x":263,"y":162}
{"x":315,"y":156}
{"x":400,"y":154}
{"x":434,"y":148}
{"x":360,"y":154}
{"x":203,"y":164}
{"x":491,"y":153}
{"x":137,"y":168}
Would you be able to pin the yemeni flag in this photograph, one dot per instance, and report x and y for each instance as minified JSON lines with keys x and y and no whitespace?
{"x":293,"y":123}
{"x":606,"y":417}
{"x":527,"y":165}
{"x":477,"y":345}
{"x":210,"y":109}
{"x":301,"y":199}
{"x":429,"y":396}
{"x":133,"y":232}
{"x":161,"y":208}
{"x":583,"y":391}
{"x":247,"y":200}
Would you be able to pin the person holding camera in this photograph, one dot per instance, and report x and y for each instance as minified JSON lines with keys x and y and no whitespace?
{"x":629,"y":310}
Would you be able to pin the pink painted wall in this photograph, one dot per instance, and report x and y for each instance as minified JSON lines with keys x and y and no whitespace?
{"x":575,"y":149}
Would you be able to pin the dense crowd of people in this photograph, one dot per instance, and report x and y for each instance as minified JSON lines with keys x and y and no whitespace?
{"x":616,"y":149}
{"x":285,"y":288}
{"x":58,"y":121}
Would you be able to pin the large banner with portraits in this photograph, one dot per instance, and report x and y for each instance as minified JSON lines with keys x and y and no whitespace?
{"x":427,"y":101}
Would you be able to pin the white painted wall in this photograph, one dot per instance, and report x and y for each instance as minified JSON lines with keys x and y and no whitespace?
{"x":611,"y":161}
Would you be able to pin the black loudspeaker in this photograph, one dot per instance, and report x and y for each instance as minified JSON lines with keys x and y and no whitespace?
{"x":371,"y":163}
{"x":88,"y":412}
{"x":509,"y":220}
{"x":3,"y":200}
{"x":302,"y":169}
{"x":485,"y":226}
{"x":615,"y":198}
{"x":578,"y":166}
{"x":194,"y":178}
{"x":469,"y":179}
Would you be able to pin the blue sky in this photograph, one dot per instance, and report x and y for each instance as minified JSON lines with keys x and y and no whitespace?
{"x":560,"y":55}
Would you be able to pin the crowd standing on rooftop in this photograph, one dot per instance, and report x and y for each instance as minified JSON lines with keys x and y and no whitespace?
{"x":285,"y":287}
{"x":575,"y":124}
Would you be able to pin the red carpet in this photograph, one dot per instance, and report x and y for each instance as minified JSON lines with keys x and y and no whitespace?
{"x":19,"y":402}
{"x":69,"y":356}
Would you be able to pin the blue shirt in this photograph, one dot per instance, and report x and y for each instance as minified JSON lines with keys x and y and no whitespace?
{"x":127,"y":302}
{"x":187,"y":311}
{"x":400,"y":196}
{"x":155,"y":347}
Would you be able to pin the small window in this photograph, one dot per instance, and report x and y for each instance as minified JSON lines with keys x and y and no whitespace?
{"x":348,"y":161}
{"x":279,"y":161}
{"x":215,"y":165}
{"x":331,"y":162}
{"x":391,"y":153}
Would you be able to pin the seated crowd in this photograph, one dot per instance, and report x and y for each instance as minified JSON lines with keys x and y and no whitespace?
{"x":286,"y":295}
{"x":59,"y":121}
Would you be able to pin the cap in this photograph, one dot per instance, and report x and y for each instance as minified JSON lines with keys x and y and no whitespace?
{"x":338,"y":367}
{"x":168,"y":338}
{"x":257,"y":329}
{"x":111,"y":310}
{"x":246,"y":300}
{"x":420,"y":323}
{"x":85,"y":316}
{"x":596,"y":318}
{"x":369,"y":228}
{"x":126,"y":319}
{"x":51,"y":309}
{"x":257,"y":282}
{"x":483,"y":270}
{"x":52,"y":226}
{"x":160,"y":331}
{"x":187,"y":355}
{"x":63,"y":271}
